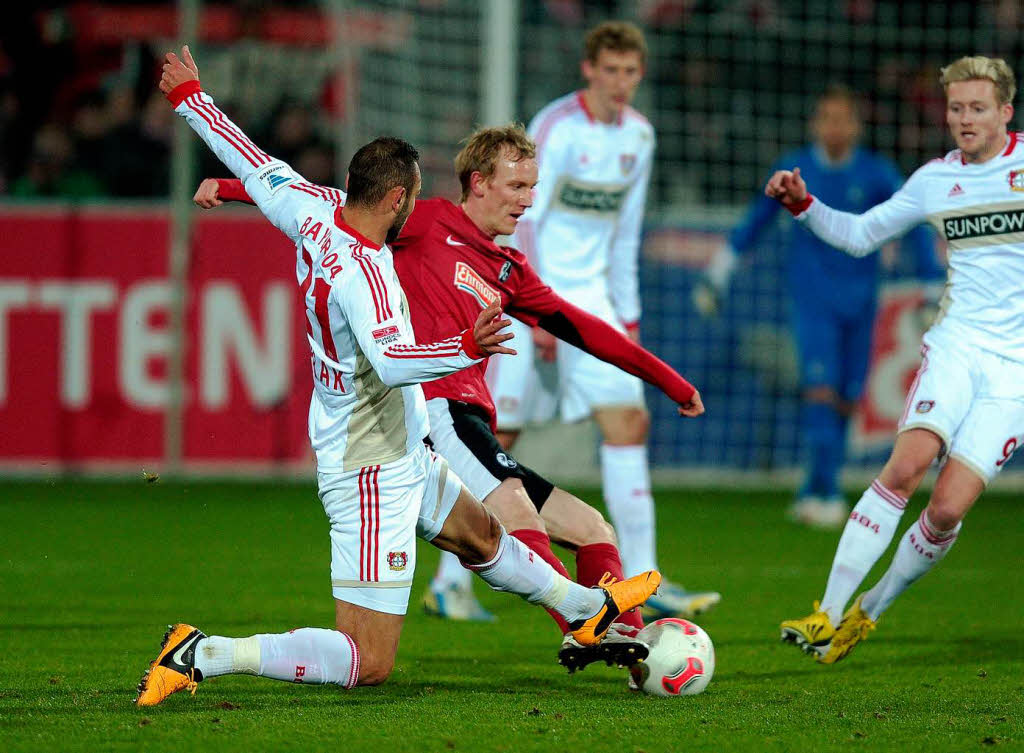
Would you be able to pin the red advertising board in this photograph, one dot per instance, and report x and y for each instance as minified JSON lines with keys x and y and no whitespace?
{"x":84,"y":342}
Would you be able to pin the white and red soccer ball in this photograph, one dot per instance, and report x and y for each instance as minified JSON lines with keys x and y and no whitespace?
{"x":681,"y":660}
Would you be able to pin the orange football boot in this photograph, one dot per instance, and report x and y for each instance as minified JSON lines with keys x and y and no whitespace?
{"x":174,"y":668}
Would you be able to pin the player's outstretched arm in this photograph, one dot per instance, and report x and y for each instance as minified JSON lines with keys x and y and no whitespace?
{"x":536,"y":304}
{"x":370,"y":304}
{"x":856,"y":235}
{"x":262,"y":175}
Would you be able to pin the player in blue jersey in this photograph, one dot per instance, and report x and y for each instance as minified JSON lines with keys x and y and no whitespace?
{"x":834,"y":296}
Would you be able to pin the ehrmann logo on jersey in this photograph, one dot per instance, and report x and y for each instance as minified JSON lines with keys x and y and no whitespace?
{"x":981,"y":225}
{"x":468,"y":281}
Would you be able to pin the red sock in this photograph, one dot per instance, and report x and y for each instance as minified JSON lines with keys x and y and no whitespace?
{"x":593,"y":561}
{"x":539,"y":542}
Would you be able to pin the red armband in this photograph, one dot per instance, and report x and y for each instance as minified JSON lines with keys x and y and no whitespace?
{"x":179,"y":93}
{"x":800,"y":207}
{"x":631,"y":327}
{"x":469,"y":346}
{"x":231,"y":189}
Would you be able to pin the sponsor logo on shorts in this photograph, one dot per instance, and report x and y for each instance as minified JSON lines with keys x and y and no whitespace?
{"x":923,"y":406}
{"x":468,"y":281}
{"x":386,"y":334}
{"x":1016,"y":180}
{"x":505,"y":460}
{"x":506,"y":270}
{"x":275,"y":177}
{"x":397,"y":561}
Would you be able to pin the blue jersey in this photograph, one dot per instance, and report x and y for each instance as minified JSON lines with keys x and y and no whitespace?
{"x":818,"y":274}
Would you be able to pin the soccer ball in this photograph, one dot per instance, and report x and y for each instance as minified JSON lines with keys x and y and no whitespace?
{"x":681,"y":661}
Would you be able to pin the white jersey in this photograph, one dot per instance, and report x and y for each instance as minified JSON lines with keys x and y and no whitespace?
{"x":582,"y":233}
{"x":979,"y":210}
{"x":367,"y":407}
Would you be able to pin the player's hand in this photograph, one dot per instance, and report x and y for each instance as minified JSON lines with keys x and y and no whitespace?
{"x":206,"y":195}
{"x":544,"y":344}
{"x":787,"y":186}
{"x":693,"y":408}
{"x":487,"y":331}
{"x":178,"y":70}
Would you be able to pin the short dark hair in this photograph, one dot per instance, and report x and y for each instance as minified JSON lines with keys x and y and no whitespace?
{"x":378,"y":167}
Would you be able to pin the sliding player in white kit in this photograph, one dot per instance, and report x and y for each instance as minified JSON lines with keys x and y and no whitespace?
{"x":582,"y":235}
{"x":379,"y":484}
{"x":967,"y":403}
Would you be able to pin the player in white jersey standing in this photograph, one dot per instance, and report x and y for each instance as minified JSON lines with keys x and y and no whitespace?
{"x":966,"y":405}
{"x":379,"y":484}
{"x":582,"y":234}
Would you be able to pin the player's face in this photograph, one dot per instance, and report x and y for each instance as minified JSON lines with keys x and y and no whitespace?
{"x":976,"y":119}
{"x":835,"y":126}
{"x":408,"y":204}
{"x":612,"y":80}
{"x":507,"y":194}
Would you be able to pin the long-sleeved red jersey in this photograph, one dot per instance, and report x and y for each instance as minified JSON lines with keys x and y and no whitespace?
{"x":450,"y":270}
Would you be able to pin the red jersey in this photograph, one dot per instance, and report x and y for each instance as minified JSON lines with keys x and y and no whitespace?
{"x":450,"y":270}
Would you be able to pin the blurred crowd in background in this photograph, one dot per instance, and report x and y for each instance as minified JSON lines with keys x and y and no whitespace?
{"x":80,"y":116}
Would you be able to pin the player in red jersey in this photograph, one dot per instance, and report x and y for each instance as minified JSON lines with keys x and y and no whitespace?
{"x":450,"y":268}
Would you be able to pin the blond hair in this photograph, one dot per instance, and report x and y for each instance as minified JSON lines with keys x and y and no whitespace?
{"x":483,"y":148}
{"x":618,"y":36}
{"x":980,"y":67}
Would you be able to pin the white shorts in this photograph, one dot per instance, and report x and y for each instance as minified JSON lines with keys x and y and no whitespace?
{"x":971,"y":398}
{"x":524,"y":388}
{"x":522,"y":392}
{"x":462,"y":433}
{"x":375,"y":515}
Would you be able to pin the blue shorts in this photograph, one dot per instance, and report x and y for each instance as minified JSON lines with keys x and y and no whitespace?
{"x":834,"y":350}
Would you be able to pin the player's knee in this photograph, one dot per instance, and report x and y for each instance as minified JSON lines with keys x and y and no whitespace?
{"x":375,"y":669}
{"x":901,"y":474}
{"x":944,"y":512}
{"x":512,"y":507}
{"x":626,"y":426}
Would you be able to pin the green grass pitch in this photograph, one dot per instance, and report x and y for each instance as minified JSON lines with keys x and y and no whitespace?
{"x":91,"y":572}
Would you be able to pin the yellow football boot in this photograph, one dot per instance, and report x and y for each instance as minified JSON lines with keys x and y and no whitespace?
{"x":174,"y":667}
{"x":620,"y":597}
{"x":853,"y":628}
{"x":811,"y":633}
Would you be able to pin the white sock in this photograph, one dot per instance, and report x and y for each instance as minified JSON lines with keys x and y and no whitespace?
{"x":217,"y":655}
{"x":450,"y":572}
{"x":920,"y":549}
{"x":626,"y":481}
{"x":865,"y":538}
{"x":305,"y":655}
{"x":516,"y":569}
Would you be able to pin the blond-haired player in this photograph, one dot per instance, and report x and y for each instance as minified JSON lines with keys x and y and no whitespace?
{"x":582,"y":234}
{"x":966,"y":405}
